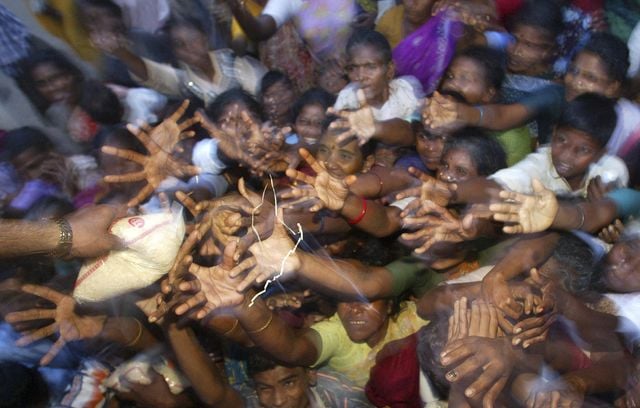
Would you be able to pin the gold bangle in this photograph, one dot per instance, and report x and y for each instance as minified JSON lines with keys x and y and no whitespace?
{"x":65,"y":239}
{"x":235,"y":324}
{"x":263,"y":327}
{"x":138,"y":336}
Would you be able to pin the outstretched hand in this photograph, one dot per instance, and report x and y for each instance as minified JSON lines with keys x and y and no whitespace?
{"x":528,"y":213}
{"x":160,"y":142}
{"x":430,"y":189}
{"x":69,"y":325}
{"x":361,"y":123}
{"x":324,"y":190}
{"x":442,"y":112}
{"x":90,"y":227}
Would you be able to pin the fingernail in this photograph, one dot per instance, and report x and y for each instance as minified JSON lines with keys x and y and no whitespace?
{"x":469,"y":392}
{"x":516,"y":341}
{"x":517,"y":330}
{"x":452,"y":375}
{"x":152,"y":319}
{"x":525,"y":345}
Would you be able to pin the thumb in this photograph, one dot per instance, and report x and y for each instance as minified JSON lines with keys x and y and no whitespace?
{"x":115,"y":243}
{"x":362,"y":99}
{"x":467,"y":222}
{"x":228,"y":255}
{"x":537,"y":186}
{"x":251,"y":196}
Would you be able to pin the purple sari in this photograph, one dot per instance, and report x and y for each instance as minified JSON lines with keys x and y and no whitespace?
{"x":427,"y":52}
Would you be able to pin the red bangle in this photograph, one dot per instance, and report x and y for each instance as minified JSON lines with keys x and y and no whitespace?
{"x":363,"y":212}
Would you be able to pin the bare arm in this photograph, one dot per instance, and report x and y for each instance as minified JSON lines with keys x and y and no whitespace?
{"x":274,"y":336}
{"x":395,"y":132}
{"x":378,"y":220}
{"x":587,"y":216}
{"x":210,"y":386}
{"x":259,"y":28}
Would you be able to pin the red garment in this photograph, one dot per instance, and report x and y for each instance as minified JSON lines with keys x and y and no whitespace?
{"x":394,"y":380}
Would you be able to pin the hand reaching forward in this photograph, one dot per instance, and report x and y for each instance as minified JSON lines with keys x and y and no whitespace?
{"x":91,"y":236}
{"x":437,"y":224}
{"x":214,"y":287}
{"x":330,"y":191}
{"x":529,"y":213}
{"x":66,"y":322}
{"x":430,"y":189}
{"x":274,"y":256}
{"x":442,"y":112}
{"x":169,"y":132}
{"x":361,"y":122}
{"x":157,"y":166}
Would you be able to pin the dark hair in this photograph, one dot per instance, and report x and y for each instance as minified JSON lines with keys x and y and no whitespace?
{"x":18,"y":140}
{"x":314,"y":96}
{"x":41,"y":57}
{"x":491,"y":61}
{"x":485,"y":152}
{"x":577,"y":263}
{"x":258,"y":363}
{"x":186,"y":21}
{"x":372,"y":38}
{"x":107,"y":5}
{"x":273,"y":77}
{"x":236,"y":95}
{"x":612,"y":51}
{"x":592,"y":114}
{"x":101,"y":103}
{"x":543,"y":14}
{"x":432,"y":340}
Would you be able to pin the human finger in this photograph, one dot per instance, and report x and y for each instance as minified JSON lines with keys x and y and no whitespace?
{"x":308,"y":157}
{"x":31,"y":314}
{"x":36,"y":335}
{"x":125,"y":178}
{"x":195,"y":301}
{"x":242,"y":267}
{"x":53,"y":352}
{"x":300,"y":176}
{"x":44,"y":292}
{"x":144,"y":192}
{"x":125,"y":154}
{"x":492,"y":393}
{"x":175,"y":116}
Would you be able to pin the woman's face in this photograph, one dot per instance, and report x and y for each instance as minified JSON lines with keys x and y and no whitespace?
{"x":189,"y":45}
{"x":429,"y":147}
{"x":55,"y":84}
{"x":587,"y":73}
{"x":466,"y":77}
{"x":622,"y":271}
{"x":278,"y":100}
{"x":365,"y":322}
{"x":456,"y":166}
{"x":417,"y":12}
{"x":367,"y":67}
{"x":308,"y":124}
{"x":531,"y":52}
{"x":340,"y":161}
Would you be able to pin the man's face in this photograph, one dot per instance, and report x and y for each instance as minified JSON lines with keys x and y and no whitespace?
{"x":283,"y":387}
{"x":572,"y":152}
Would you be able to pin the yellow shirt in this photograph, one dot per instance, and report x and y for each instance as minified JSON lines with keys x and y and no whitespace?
{"x":355,"y":360}
{"x":390,"y":25}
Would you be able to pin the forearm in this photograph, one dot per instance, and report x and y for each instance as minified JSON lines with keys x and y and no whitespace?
{"x":381,"y":181}
{"x":375,"y":219}
{"x":495,"y":116}
{"x":528,"y":252}
{"x":348,"y":280}
{"x":475,"y":190}
{"x":273,"y":335}
{"x":134,"y":63}
{"x":586,"y":216}
{"x":394,"y":132}
{"x":128,"y":332}
{"x":210,"y":386}
{"x":599,"y":330}
{"x":259,"y":28}
{"x":439,"y":301}
{"x":20,"y":238}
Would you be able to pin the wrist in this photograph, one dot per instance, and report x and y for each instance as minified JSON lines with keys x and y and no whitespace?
{"x":64,"y":242}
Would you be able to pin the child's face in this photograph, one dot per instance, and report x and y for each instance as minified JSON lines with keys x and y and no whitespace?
{"x":366,"y":66}
{"x":456,"y":166}
{"x":417,"y":11}
{"x":532,"y":51}
{"x":277,"y":101}
{"x":572,"y":152}
{"x":466,"y":77}
{"x":429,"y":148}
{"x":54,"y":84}
{"x":587,"y":73}
{"x":308,"y":124}
{"x":340,"y":161}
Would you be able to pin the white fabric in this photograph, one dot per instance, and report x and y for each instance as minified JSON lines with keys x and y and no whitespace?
{"x":540,"y":165}
{"x":634,"y":51}
{"x":142,"y":104}
{"x":152,"y":243}
{"x":405,"y":94}
{"x":282,"y":10}
{"x":628,"y":121}
{"x":627,"y":306}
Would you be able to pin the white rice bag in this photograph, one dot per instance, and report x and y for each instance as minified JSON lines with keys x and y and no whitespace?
{"x":152,"y":242}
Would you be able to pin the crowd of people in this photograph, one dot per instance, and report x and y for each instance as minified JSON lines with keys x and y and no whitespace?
{"x":319,"y":203}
